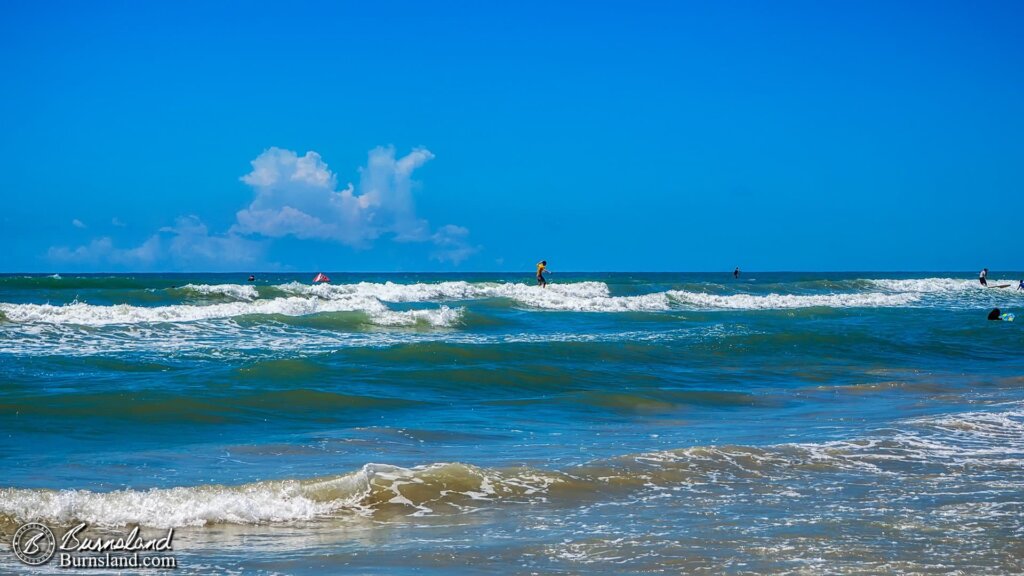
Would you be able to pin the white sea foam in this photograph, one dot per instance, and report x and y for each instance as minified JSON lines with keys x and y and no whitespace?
{"x":935,"y":450}
{"x":579,"y":296}
{"x":596,"y":296}
{"x":440,"y":317}
{"x":938,"y":447}
{"x":82,"y":314}
{"x":242,"y":292}
{"x":568,"y":299}
{"x":388,"y":291}
{"x":370,"y":298}
{"x":371,"y":489}
{"x":270,"y":502}
{"x":980,"y":433}
{"x":222,"y":338}
{"x":457,"y":290}
{"x":279,"y":501}
{"x":788,"y":301}
{"x":976,"y":439}
{"x":575,"y":296}
{"x":940,"y":285}
{"x":95,"y":315}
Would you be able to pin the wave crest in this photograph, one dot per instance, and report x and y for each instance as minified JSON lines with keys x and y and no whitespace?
{"x":79,"y":313}
{"x":377,"y":489}
{"x":935,"y":447}
{"x":296,"y":299}
{"x":242,"y":292}
{"x":789,"y":301}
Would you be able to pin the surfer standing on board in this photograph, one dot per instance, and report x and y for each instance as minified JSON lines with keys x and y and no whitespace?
{"x":542,"y":266}
{"x":983,"y":277}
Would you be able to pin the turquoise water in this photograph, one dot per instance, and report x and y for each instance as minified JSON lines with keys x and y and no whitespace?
{"x":610,"y":423}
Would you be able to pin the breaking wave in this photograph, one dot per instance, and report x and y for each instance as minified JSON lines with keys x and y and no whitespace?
{"x":94,"y":315}
{"x":786,"y":301}
{"x":296,"y":299}
{"x":595,"y":296}
{"x":918,"y":454}
{"x":246,"y":293}
{"x":376,"y":489}
{"x":456,"y":290}
{"x":943,"y":285}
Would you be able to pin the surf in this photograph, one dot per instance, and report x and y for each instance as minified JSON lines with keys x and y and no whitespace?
{"x":82,"y":314}
{"x":910,"y":452}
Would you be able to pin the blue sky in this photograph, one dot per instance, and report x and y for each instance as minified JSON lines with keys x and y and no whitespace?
{"x":487,"y":136}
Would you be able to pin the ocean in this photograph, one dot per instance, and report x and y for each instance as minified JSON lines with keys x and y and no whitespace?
{"x":783,"y":423}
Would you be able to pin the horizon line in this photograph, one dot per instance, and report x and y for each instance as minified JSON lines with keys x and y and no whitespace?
{"x":524,"y":271}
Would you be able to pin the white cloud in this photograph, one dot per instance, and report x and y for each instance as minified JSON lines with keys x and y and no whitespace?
{"x":452,"y":244}
{"x":102,"y":250}
{"x":191,"y":243}
{"x":78,"y":223}
{"x":295,"y":196}
{"x":299,"y":196}
{"x":186,"y":244}
{"x":386,"y":183}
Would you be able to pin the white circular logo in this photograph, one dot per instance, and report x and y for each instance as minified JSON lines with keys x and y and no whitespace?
{"x":34,"y":544}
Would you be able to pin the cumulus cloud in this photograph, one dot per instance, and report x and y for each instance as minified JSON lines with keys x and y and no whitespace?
{"x":103,"y":250}
{"x":78,"y":223}
{"x":386,"y":183}
{"x":299,"y":196}
{"x":452,"y":244}
{"x":191,"y":243}
{"x":296,"y":196}
{"x":117,"y":222}
{"x":187,"y":243}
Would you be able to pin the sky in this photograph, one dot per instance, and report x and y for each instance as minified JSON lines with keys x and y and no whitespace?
{"x":485,"y":136}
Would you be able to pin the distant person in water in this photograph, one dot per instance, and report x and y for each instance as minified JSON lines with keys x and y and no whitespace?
{"x":252,"y":277}
{"x":1020,"y":285}
{"x":542,"y":267}
{"x":736,"y":272}
{"x":983,"y":277}
{"x":994,"y":314}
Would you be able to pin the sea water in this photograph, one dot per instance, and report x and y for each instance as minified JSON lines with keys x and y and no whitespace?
{"x":609,"y":423}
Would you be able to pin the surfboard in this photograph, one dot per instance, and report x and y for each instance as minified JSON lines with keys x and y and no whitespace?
{"x":1001,"y":286}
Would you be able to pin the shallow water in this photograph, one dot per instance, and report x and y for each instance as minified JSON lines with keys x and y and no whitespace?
{"x":781,"y":423}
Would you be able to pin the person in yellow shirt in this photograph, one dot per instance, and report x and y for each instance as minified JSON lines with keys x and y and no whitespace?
{"x":542,"y":266}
